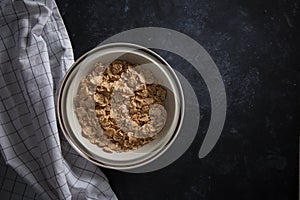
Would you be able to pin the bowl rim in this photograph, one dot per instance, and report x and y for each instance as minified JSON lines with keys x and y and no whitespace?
{"x":82,"y":150}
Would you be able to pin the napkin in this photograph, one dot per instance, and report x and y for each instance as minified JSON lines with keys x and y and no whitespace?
{"x":36,"y":162}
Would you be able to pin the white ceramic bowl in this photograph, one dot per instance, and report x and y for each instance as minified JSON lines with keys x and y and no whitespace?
{"x":133,"y":54}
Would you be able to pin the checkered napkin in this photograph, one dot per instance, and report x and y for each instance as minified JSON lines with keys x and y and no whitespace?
{"x":36,"y":162}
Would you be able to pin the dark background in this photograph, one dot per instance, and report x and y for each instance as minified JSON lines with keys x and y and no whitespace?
{"x":255,"y":45}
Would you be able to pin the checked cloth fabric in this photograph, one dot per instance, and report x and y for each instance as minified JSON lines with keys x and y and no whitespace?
{"x":36,"y":162}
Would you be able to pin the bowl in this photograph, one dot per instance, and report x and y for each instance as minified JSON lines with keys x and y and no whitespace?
{"x":147,"y":60}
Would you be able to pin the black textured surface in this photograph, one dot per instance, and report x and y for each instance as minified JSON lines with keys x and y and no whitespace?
{"x":255,"y":45}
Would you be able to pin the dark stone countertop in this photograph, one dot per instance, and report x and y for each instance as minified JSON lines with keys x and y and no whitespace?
{"x":255,"y":45}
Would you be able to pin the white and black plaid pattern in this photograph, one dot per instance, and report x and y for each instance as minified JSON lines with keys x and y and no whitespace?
{"x":35,"y":52}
